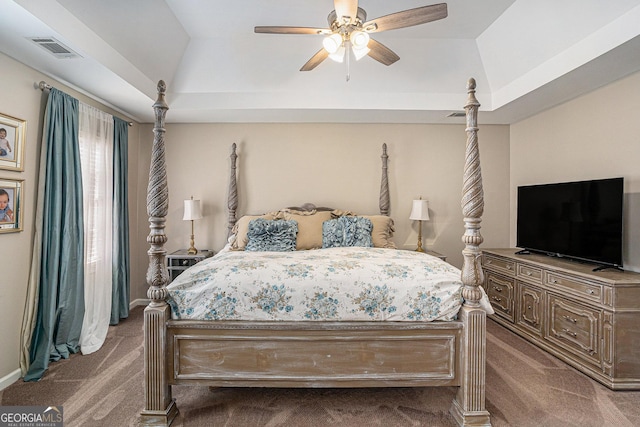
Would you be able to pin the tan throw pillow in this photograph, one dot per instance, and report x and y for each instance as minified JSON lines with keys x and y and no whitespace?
{"x":241,"y":228}
{"x":309,"y":227}
{"x":382,"y":232}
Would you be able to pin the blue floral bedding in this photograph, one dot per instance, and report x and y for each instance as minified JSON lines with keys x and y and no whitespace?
{"x":344,"y":283}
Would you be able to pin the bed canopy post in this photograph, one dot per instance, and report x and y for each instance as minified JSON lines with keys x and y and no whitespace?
{"x":232,"y":199}
{"x":384,"y":183}
{"x":159,"y":407}
{"x":469,"y":406}
{"x":472,"y":205}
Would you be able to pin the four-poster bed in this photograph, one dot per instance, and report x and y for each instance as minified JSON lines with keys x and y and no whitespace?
{"x":290,"y":353}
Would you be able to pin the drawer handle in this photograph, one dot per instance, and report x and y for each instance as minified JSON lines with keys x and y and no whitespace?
{"x":488,"y":261}
{"x":570,"y":319}
{"x":497,"y":289}
{"x":554,"y":281}
{"x":529,"y":307}
{"x":496,"y":299}
{"x":509,"y":267}
{"x":568,"y":332}
{"x":527,"y":273}
{"x":591,"y":291}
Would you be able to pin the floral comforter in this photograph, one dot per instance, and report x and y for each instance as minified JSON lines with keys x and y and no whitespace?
{"x":346,"y":283}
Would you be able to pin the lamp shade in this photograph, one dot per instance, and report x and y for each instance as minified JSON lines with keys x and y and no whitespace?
{"x":359,"y":39}
{"x":420,"y":210}
{"x":192,"y":210}
{"x":332,"y":43}
{"x":360,"y":53}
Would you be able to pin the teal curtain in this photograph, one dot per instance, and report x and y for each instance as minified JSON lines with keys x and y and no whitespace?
{"x":121,"y":272}
{"x":61,"y":284}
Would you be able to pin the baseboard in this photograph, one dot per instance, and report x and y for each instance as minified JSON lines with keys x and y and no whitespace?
{"x":137,"y":302}
{"x":9,"y":379}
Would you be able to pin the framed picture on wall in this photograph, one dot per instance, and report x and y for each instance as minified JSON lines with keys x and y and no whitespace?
{"x":11,"y":196}
{"x":12,"y":138}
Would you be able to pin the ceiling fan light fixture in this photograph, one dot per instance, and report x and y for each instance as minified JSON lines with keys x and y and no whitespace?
{"x":359,"y":42}
{"x":332,"y":43}
{"x":360,"y":52}
{"x":338,"y":55}
{"x":359,"y":39}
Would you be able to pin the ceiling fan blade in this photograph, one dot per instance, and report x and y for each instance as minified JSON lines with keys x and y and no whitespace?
{"x":407,"y":18}
{"x":346,"y":8}
{"x":315,"y":60}
{"x":290,"y":30}
{"x":381,"y":53}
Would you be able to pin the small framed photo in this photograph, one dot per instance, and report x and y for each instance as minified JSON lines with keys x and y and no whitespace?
{"x":12,"y":139}
{"x":11,"y":196}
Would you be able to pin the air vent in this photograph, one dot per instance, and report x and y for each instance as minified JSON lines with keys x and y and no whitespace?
{"x":54,"y":47}
{"x":457,"y":114}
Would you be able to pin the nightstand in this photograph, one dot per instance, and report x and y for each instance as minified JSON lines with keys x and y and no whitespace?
{"x":180,"y":260}
{"x":435,"y":254}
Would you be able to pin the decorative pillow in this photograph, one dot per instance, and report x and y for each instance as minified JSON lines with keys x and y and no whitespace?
{"x":309,"y":227}
{"x":241,"y":228}
{"x":382,"y":232}
{"x":347,"y":231}
{"x":271,"y":235}
{"x":383,"y":229}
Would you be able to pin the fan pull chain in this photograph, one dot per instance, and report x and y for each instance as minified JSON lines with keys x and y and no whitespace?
{"x":347,"y":53}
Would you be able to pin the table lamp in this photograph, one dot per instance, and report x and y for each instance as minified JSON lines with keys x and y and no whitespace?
{"x":420,"y":212}
{"x":192,"y":212}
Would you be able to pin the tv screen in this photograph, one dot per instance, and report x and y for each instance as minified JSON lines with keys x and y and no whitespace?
{"x":580,"y":220}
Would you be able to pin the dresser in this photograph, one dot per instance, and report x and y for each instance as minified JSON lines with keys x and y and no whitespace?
{"x":590,"y":320}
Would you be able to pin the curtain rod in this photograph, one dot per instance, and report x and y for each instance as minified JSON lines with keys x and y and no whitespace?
{"x":46,"y":86}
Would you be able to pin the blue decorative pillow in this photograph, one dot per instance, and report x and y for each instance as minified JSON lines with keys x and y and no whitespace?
{"x":271,"y":235}
{"x":347,"y":231}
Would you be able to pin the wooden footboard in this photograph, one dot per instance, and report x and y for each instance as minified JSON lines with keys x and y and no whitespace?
{"x":315,"y":354}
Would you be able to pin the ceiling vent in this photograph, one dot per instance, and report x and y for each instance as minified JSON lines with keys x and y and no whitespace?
{"x":457,"y":114}
{"x":54,"y":47}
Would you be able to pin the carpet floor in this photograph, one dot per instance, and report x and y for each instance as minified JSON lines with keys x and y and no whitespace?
{"x":525,"y":387}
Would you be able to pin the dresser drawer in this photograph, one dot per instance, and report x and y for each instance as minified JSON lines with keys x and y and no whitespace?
{"x":562,"y":283}
{"x":500,"y":290}
{"x":575,"y":328}
{"x":529,"y":273}
{"x":503,"y":265}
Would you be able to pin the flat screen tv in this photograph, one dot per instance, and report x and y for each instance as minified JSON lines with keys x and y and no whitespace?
{"x":578,"y":220}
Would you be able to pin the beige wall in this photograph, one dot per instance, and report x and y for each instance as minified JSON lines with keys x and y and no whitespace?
{"x":335,"y":165}
{"x":594,"y":136}
{"x":20,"y":99}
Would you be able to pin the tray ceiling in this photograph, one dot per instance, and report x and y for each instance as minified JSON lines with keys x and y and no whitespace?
{"x":526,"y":57}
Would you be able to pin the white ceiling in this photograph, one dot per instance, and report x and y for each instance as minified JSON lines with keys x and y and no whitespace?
{"x":526,"y":56}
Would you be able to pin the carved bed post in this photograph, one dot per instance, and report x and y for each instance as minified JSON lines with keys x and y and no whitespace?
{"x":232,"y":199}
{"x":159,"y":407}
{"x":384,"y":184}
{"x":469,"y":406}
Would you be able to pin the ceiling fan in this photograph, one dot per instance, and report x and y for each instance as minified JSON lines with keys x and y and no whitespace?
{"x":349,"y":30}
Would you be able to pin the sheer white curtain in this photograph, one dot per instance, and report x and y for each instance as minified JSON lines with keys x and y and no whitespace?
{"x":96,"y":159}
